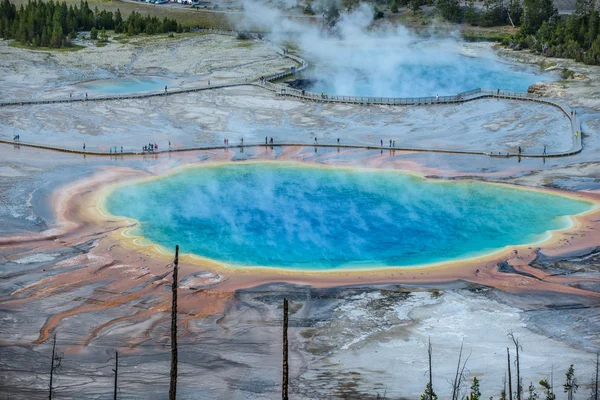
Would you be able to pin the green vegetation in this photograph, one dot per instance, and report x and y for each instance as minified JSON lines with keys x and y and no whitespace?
{"x":541,"y":29}
{"x":494,"y":12}
{"x":45,"y":24}
{"x":474,"y":393}
{"x":429,"y":394}
{"x":576,"y":36}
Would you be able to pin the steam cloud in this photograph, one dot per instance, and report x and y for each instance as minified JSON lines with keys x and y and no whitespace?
{"x":382,"y":60}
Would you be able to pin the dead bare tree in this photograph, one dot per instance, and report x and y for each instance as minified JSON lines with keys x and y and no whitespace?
{"x":53,"y":366}
{"x":518,"y":347}
{"x":429,"y":351}
{"x":595,"y":393}
{"x":173,"y":383}
{"x":284,"y":380}
{"x":509,"y":375}
{"x":116,"y":371}
{"x":460,"y":373}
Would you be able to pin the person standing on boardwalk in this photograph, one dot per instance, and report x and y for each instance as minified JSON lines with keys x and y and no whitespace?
{"x":519,"y":150}
{"x":544,"y":149}
{"x":381,"y":141}
{"x":84,"y":147}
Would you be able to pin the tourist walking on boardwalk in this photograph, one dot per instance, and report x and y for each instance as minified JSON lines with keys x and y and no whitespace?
{"x":437,"y":98}
{"x":271,"y":140}
{"x":84,"y":147}
{"x":155,"y":146}
{"x":265,"y":140}
{"x":390,"y":142}
{"x":121,"y":149}
{"x":209,"y":82}
{"x":544,"y":149}
{"x":242,"y":141}
{"x":394,"y":143}
{"x":165,"y":88}
{"x":316,"y":141}
{"x":381,"y":140}
{"x":86,"y":95}
{"x":169,"y":145}
{"x":519,"y":150}
{"x":338,"y":140}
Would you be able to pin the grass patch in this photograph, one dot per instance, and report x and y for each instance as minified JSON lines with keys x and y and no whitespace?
{"x":74,"y":47}
{"x":547,"y":64}
{"x":245,"y":44}
{"x":186,"y":17}
{"x":485,"y":35}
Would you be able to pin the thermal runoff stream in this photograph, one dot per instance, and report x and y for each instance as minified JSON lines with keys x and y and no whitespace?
{"x":311,"y":217}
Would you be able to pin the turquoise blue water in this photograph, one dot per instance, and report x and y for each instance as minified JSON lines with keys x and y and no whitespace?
{"x":419,"y":79}
{"x":127,"y":85}
{"x":323,"y":218}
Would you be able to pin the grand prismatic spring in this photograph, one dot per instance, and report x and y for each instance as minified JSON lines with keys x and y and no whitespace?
{"x":325,"y":218}
{"x":397,"y":228}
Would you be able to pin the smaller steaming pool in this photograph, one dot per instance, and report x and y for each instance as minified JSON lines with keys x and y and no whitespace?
{"x":404,"y":65}
{"x":128,"y":85}
{"x":315,"y":218}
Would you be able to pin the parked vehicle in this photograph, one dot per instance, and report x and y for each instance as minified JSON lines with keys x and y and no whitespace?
{"x":162,"y":1}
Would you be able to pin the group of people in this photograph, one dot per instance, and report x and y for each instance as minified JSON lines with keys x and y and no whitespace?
{"x":113,"y":149}
{"x":392,"y":143}
{"x":16,"y":138}
{"x":151,"y":147}
{"x":271,"y":141}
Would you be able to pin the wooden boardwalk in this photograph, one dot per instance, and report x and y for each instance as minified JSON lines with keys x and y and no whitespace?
{"x":283,"y":90}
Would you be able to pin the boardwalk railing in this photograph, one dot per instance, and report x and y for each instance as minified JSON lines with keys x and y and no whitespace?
{"x":284,"y":90}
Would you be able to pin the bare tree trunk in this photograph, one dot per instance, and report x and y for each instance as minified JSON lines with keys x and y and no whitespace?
{"x":173,"y":383}
{"x":455,"y":384}
{"x":517,"y":346}
{"x":596,"y":385}
{"x":116,"y":370}
{"x":284,"y":380}
{"x":52,"y":367}
{"x":509,"y":375}
{"x":430,"y":373}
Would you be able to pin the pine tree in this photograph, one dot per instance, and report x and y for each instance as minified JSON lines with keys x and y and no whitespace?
{"x":475,"y":394}
{"x":94,"y":33}
{"x":547,"y":390}
{"x":571,"y":385}
{"x":532,"y":393}
{"x":394,"y":6}
{"x":429,"y":394}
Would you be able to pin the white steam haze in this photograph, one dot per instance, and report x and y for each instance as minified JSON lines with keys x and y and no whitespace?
{"x":382,"y":60}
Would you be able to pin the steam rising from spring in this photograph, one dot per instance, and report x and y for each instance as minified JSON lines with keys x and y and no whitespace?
{"x":362,"y":58}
